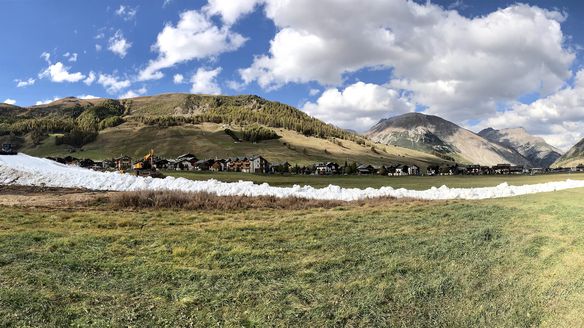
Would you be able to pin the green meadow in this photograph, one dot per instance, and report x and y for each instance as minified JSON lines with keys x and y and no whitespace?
{"x":376,"y":181}
{"x":514,"y":262}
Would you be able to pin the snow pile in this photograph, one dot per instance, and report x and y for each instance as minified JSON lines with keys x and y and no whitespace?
{"x":32,"y":171}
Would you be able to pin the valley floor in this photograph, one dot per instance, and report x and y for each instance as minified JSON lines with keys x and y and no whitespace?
{"x":499,"y":262}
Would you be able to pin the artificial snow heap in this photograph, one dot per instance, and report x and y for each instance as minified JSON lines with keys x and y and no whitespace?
{"x":26,"y":170}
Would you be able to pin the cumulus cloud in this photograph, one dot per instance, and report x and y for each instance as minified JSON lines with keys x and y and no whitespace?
{"x":90,"y":78}
{"x":59,"y":73}
{"x":87,"y":97}
{"x":230,"y":10}
{"x":119,"y":45}
{"x":195,"y":36}
{"x":358,"y":106}
{"x":458,"y":67}
{"x":24,"y":83}
{"x":235,"y":85}
{"x":178,"y":78}
{"x":204,"y":81}
{"x":46,"y":101}
{"x":126,"y":12}
{"x":112,"y":83}
{"x":134,"y":93}
{"x":9,"y":101}
{"x":558,"y":118}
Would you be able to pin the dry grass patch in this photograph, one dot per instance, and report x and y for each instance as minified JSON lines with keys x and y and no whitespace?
{"x":207,"y":201}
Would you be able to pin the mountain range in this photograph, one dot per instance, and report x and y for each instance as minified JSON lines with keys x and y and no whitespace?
{"x":178,"y":123}
{"x":448,"y":140}
{"x":538,"y":152}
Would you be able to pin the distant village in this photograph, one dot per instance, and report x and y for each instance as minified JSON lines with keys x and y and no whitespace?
{"x":259,"y":165}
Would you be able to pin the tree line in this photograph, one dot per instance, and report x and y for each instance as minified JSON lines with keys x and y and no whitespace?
{"x":78,"y":129}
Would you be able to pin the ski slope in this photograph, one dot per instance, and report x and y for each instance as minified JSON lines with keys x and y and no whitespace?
{"x":26,"y":170}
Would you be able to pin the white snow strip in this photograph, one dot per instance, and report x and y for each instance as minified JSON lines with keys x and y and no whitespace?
{"x":26,"y":170}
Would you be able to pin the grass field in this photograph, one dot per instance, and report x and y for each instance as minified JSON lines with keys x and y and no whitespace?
{"x":376,"y":181}
{"x":514,"y":262}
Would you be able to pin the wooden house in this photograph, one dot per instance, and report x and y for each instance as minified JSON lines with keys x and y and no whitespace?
{"x":86,"y":163}
{"x":474,"y":169}
{"x":218,"y":165}
{"x":446,"y":170}
{"x":413,"y":170}
{"x":401,"y":169}
{"x":326,"y":168}
{"x":258,"y":164}
{"x":188,"y":156}
{"x":161,"y":163}
{"x":123,"y":163}
{"x":238,"y":164}
{"x":365,"y":169}
{"x":203,"y":164}
{"x":502,"y":168}
{"x":184,"y":165}
{"x":516,"y":169}
{"x":280,"y":167}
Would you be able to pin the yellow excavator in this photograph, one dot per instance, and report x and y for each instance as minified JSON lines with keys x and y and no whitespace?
{"x":146,"y":167}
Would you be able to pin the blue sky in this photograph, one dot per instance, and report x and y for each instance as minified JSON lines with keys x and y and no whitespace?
{"x":478,"y":63}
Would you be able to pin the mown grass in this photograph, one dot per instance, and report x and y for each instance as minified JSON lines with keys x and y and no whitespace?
{"x":376,"y":181}
{"x":511,"y":262}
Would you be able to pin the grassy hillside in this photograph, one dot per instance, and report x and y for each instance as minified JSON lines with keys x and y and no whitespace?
{"x":208,"y":140}
{"x":573,"y":162}
{"x":174,"y":124}
{"x":573,"y":157}
{"x":513,"y":262}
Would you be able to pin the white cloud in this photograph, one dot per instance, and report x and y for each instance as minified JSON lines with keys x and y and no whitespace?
{"x":119,"y":45}
{"x":178,"y":78}
{"x":87,"y":97}
{"x":194,"y":37}
{"x":113,"y":84}
{"x":46,"y":56}
{"x":9,"y":101}
{"x":558,"y":118}
{"x":98,"y":47}
{"x":204,"y":81}
{"x":459,"y":67}
{"x":25,"y":83}
{"x":126,"y":12}
{"x":60,"y":73}
{"x":235,"y":85}
{"x":230,"y":10}
{"x":134,"y":93}
{"x":90,"y":78}
{"x":166,"y":3}
{"x":72,"y":57}
{"x":358,"y":106}
{"x":46,"y":101}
